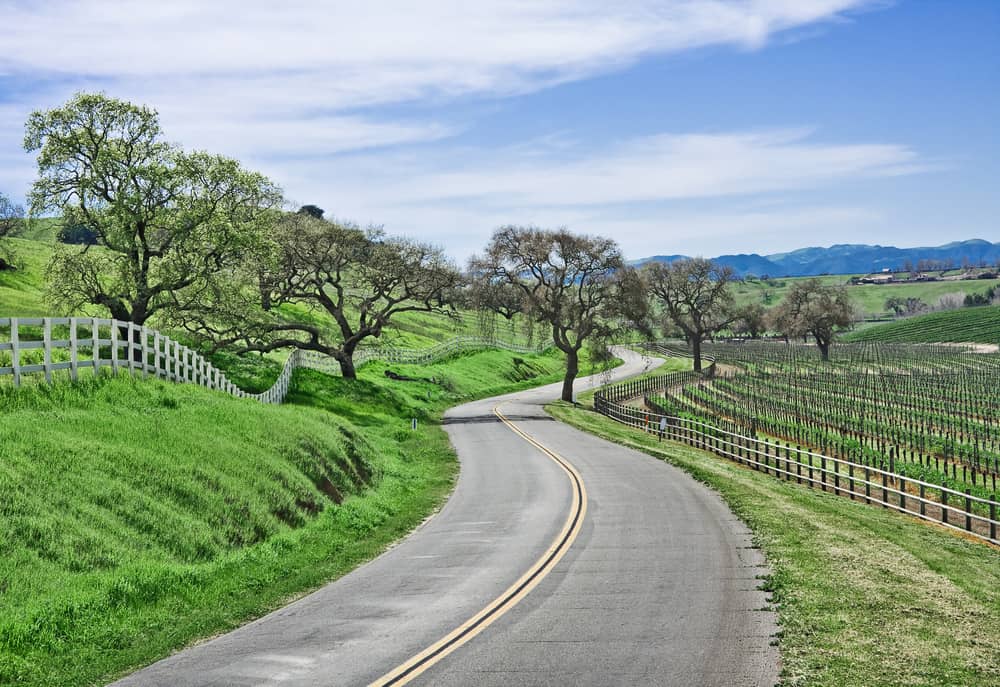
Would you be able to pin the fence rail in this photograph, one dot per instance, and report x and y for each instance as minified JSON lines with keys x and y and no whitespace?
{"x":953,"y":509}
{"x":29,"y":346}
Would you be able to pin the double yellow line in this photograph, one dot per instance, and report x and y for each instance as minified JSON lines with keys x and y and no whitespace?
{"x":517,"y":591}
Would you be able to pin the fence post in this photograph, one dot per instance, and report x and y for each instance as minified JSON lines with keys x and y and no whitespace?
{"x":15,"y":351}
{"x":73,"y":357}
{"x":114,"y":347}
{"x":145,"y":350}
{"x":968,"y":511}
{"x":130,"y":348}
{"x":923,"y":505}
{"x":944,"y":505}
{"x":993,"y":518}
{"x":95,"y":338}
{"x":47,"y":348}
{"x":157,"y":358}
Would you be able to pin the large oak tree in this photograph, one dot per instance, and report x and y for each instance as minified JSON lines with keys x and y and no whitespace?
{"x":361,"y":279}
{"x":695,"y":295}
{"x":169,"y":223}
{"x":812,"y":309}
{"x":570,"y":282}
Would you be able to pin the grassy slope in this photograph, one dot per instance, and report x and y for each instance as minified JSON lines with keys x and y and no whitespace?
{"x":137,"y":515}
{"x":21,"y":290}
{"x":865,"y":597}
{"x":980,"y":324}
{"x":22,"y":295}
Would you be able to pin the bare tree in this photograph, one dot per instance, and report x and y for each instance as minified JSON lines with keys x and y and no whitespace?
{"x":812,"y":309}
{"x":11,"y":220}
{"x":695,"y":295}
{"x":951,"y":301}
{"x":751,"y":320}
{"x":572,"y":283}
{"x":361,"y":279}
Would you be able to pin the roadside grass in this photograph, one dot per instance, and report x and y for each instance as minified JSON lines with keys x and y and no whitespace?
{"x":979,"y":325}
{"x":864,"y":596}
{"x":139,"y":515}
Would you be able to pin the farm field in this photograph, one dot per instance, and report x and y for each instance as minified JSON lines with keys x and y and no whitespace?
{"x":923,"y":412}
{"x":141,"y":512}
{"x":865,"y":597}
{"x":980,"y":325}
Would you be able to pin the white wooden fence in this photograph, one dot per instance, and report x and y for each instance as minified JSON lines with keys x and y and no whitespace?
{"x":28,"y":347}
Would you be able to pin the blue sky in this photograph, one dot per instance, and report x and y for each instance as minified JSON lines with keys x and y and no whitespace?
{"x":694,"y":126}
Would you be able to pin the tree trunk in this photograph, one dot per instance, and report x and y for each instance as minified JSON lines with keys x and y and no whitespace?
{"x":824,"y":349}
{"x":346,"y":360}
{"x":696,"y":350}
{"x":572,"y":367}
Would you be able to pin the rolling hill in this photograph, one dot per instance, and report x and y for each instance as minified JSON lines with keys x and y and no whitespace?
{"x":849,"y":258}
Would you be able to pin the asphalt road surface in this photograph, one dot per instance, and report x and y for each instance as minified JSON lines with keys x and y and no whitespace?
{"x":615,"y":569}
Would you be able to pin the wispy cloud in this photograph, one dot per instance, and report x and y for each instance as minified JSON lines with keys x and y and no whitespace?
{"x":741,"y":182}
{"x":253,"y":70}
{"x":662,"y":167}
{"x":329,"y":98}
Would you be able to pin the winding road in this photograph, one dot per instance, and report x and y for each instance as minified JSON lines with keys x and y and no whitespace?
{"x":560,"y":558}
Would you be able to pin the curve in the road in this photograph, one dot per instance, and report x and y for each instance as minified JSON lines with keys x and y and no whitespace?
{"x":659,"y":587}
{"x":517,"y":591}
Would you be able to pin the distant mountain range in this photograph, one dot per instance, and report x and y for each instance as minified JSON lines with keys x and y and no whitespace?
{"x":851,"y":259}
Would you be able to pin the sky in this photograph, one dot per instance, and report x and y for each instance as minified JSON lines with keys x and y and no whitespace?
{"x":700,"y":127}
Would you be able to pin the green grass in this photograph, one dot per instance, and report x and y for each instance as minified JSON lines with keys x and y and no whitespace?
{"x":22,"y":290}
{"x":981,"y":325}
{"x":43,"y":229}
{"x":140,"y":515}
{"x":869,"y":298}
{"x":22,"y":295}
{"x":864,"y":596}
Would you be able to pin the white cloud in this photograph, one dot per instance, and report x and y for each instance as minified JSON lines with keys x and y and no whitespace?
{"x":249,"y":71}
{"x":664,"y":167}
{"x":298,"y":88}
{"x":638,"y":191}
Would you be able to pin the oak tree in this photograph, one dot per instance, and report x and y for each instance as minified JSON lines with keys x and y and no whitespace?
{"x":170,"y":223}
{"x":569,"y":282}
{"x":695,"y":295}
{"x":811,"y":308}
{"x":361,"y":279}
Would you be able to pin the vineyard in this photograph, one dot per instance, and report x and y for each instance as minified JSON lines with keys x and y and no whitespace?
{"x":980,"y":325}
{"x":925,"y":414}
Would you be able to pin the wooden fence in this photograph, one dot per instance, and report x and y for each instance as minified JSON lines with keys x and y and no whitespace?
{"x":45,"y":346}
{"x":951,"y":508}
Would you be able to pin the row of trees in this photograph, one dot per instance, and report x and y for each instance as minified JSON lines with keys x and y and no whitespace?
{"x":202,"y":243}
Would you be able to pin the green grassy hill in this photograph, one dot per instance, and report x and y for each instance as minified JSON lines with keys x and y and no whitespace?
{"x":980,"y":325}
{"x":138,"y":514}
{"x":22,"y":290}
{"x":22,"y":295}
{"x":870,"y":298}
